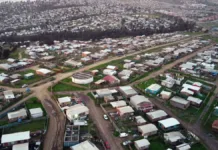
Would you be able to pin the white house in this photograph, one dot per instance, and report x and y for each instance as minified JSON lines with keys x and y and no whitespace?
{"x":77,"y":112}
{"x":86,"y":145}
{"x":14,"y":138}
{"x":36,"y":112}
{"x":15,"y":115}
{"x":148,"y":129}
{"x":9,"y":95}
{"x":24,"y":146}
{"x":142,"y":144}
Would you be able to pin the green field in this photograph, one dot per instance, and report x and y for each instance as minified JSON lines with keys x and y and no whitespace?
{"x":32,"y":126}
{"x":198,"y":146}
{"x":34,"y":103}
{"x":65,"y":87}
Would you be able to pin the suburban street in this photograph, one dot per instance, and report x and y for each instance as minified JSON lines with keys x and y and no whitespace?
{"x":54,"y":136}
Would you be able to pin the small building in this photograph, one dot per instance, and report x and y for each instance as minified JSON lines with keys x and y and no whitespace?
{"x":186,"y":92}
{"x":153,"y":89}
{"x":156,"y":115}
{"x":73,"y":63}
{"x":169,"y":124}
{"x":148,"y":129}
{"x":15,"y":76}
{"x":8,"y":95}
{"x":173,"y":137}
{"x":191,"y":87}
{"x":43,"y":72}
{"x":118,"y":104}
{"x":109,"y":72}
{"x":194,"y":101}
{"x":109,"y":98}
{"x":36,"y":112}
{"x":165,"y":95}
{"x":3,"y":79}
{"x":183,"y":146}
{"x":140,"y":120}
{"x":86,"y":145}
{"x":111,"y":67}
{"x":29,"y":75}
{"x":139,"y":102}
{"x":105,"y":92}
{"x":15,"y":138}
{"x":125,"y":111}
{"x":24,"y":146}
{"x":215,"y":125}
{"x":15,"y":82}
{"x":77,"y":112}
{"x":64,"y":101}
{"x":86,"y":53}
{"x":127,"y":91}
{"x":179,"y":102}
{"x":112,"y":80}
{"x":16,"y":115}
{"x":142,"y":144}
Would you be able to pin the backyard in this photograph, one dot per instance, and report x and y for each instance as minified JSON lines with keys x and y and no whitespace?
{"x":34,"y":103}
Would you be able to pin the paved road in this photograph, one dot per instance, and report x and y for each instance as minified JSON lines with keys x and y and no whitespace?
{"x":54,"y":135}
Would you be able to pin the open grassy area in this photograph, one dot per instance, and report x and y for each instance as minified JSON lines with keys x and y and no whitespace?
{"x":65,"y":87}
{"x":193,"y":33}
{"x":145,"y":84}
{"x":34,"y":103}
{"x":157,"y":144}
{"x":198,"y":146}
{"x":19,"y":52}
{"x":207,"y":37}
{"x":32,"y":126}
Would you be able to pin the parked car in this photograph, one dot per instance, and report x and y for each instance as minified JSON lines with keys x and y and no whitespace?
{"x":105,"y":117}
{"x":126,"y":143}
{"x":25,"y":85}
{"x":106,"y":144}
{"x":123,"y":134}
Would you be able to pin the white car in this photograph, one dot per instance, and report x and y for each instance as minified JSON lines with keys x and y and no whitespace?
{"x":106,"y":117}
{"x":126,"y":143}
{"x":25,"y":85}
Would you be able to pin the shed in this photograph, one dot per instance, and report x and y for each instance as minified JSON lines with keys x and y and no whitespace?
{"x":156,"y":115}
{"x":179,"y":102}
{"x":173,"y":137}
{"x":28,"y":75}
{"x":140,"y":120}
{"x":9,"y":95}
{"x":36,"y":112}
{"x":86,"y":145}
{"x":153,"y":89}
{"x":43,"y":72}
{"x":24,"y":146}
{"x":126,"y":110}
{"x":63,"y":101}
{"x":142,"y":144}
{"x":169,"y":124}
{"x":183,"y":146}
{"x":13,"y":138}
{"x":118,"y":104}
{"x":148,"y":129}
{"x":165,"y":95}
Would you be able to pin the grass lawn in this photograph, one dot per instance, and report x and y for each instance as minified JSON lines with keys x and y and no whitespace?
{"x":34,"y":103}
{"x":193,"y":33}
{"x":32,"y":126}
{"x":69,"y":80}
{"x":198,"y":146}
{"x":157,"y":144}
{"x":3,"y":122}
{"x":16,"y":54}
{"x":144,"y":85}
{"x":65,"y":87}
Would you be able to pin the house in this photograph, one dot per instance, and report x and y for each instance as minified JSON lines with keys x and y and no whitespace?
{"x":147,"y":129}
{"x":140,"y":120}
{"x":125,"y":72}
{"x":183,"y":146}
{"x":125,"y":111}
{"x":110,"y":67}
{"x":139,"y":102}
{"x":194,"y":101}
{"x":173,"y":137}
{"x":72,"y":63}
{"x":43,"y":72}
{"x":215,"y":125}
{"x":169,"y":124}
{"x":36,"y":112}
{"x":105,"y":92}
{"x":8,"y":95}
{"x":153,"y":89}
{"x":186,"y":92}
{"x":112,"y":80}
{"x":168,"y":82}
{"x":156,"y":115}
{"x":24,"y":146}
{"x":4,"y":79}
{"x":86,"y":145}
{"x":193,"y":88}
{"x":15,"y":81}
{"x":109,"y":72}
{"x":179,"y":102}
{"x":142,"y":144}
{"x":15,"y":138}
{"x":15,"y":76}
{"x":109,"y":98}
{"x":118,"y":104}
{"x":86,"y":53}
{"x":64,"y":101}
{"x":165,"y":95}
{"x":127,"y":91}
{"x":16,"y":115}
{"x":77,"y":112}
{"x":29,"y":75}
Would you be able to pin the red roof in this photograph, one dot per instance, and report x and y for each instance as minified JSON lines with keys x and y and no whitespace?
{"x":110,"y":79}
{"x":215,"y":124}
